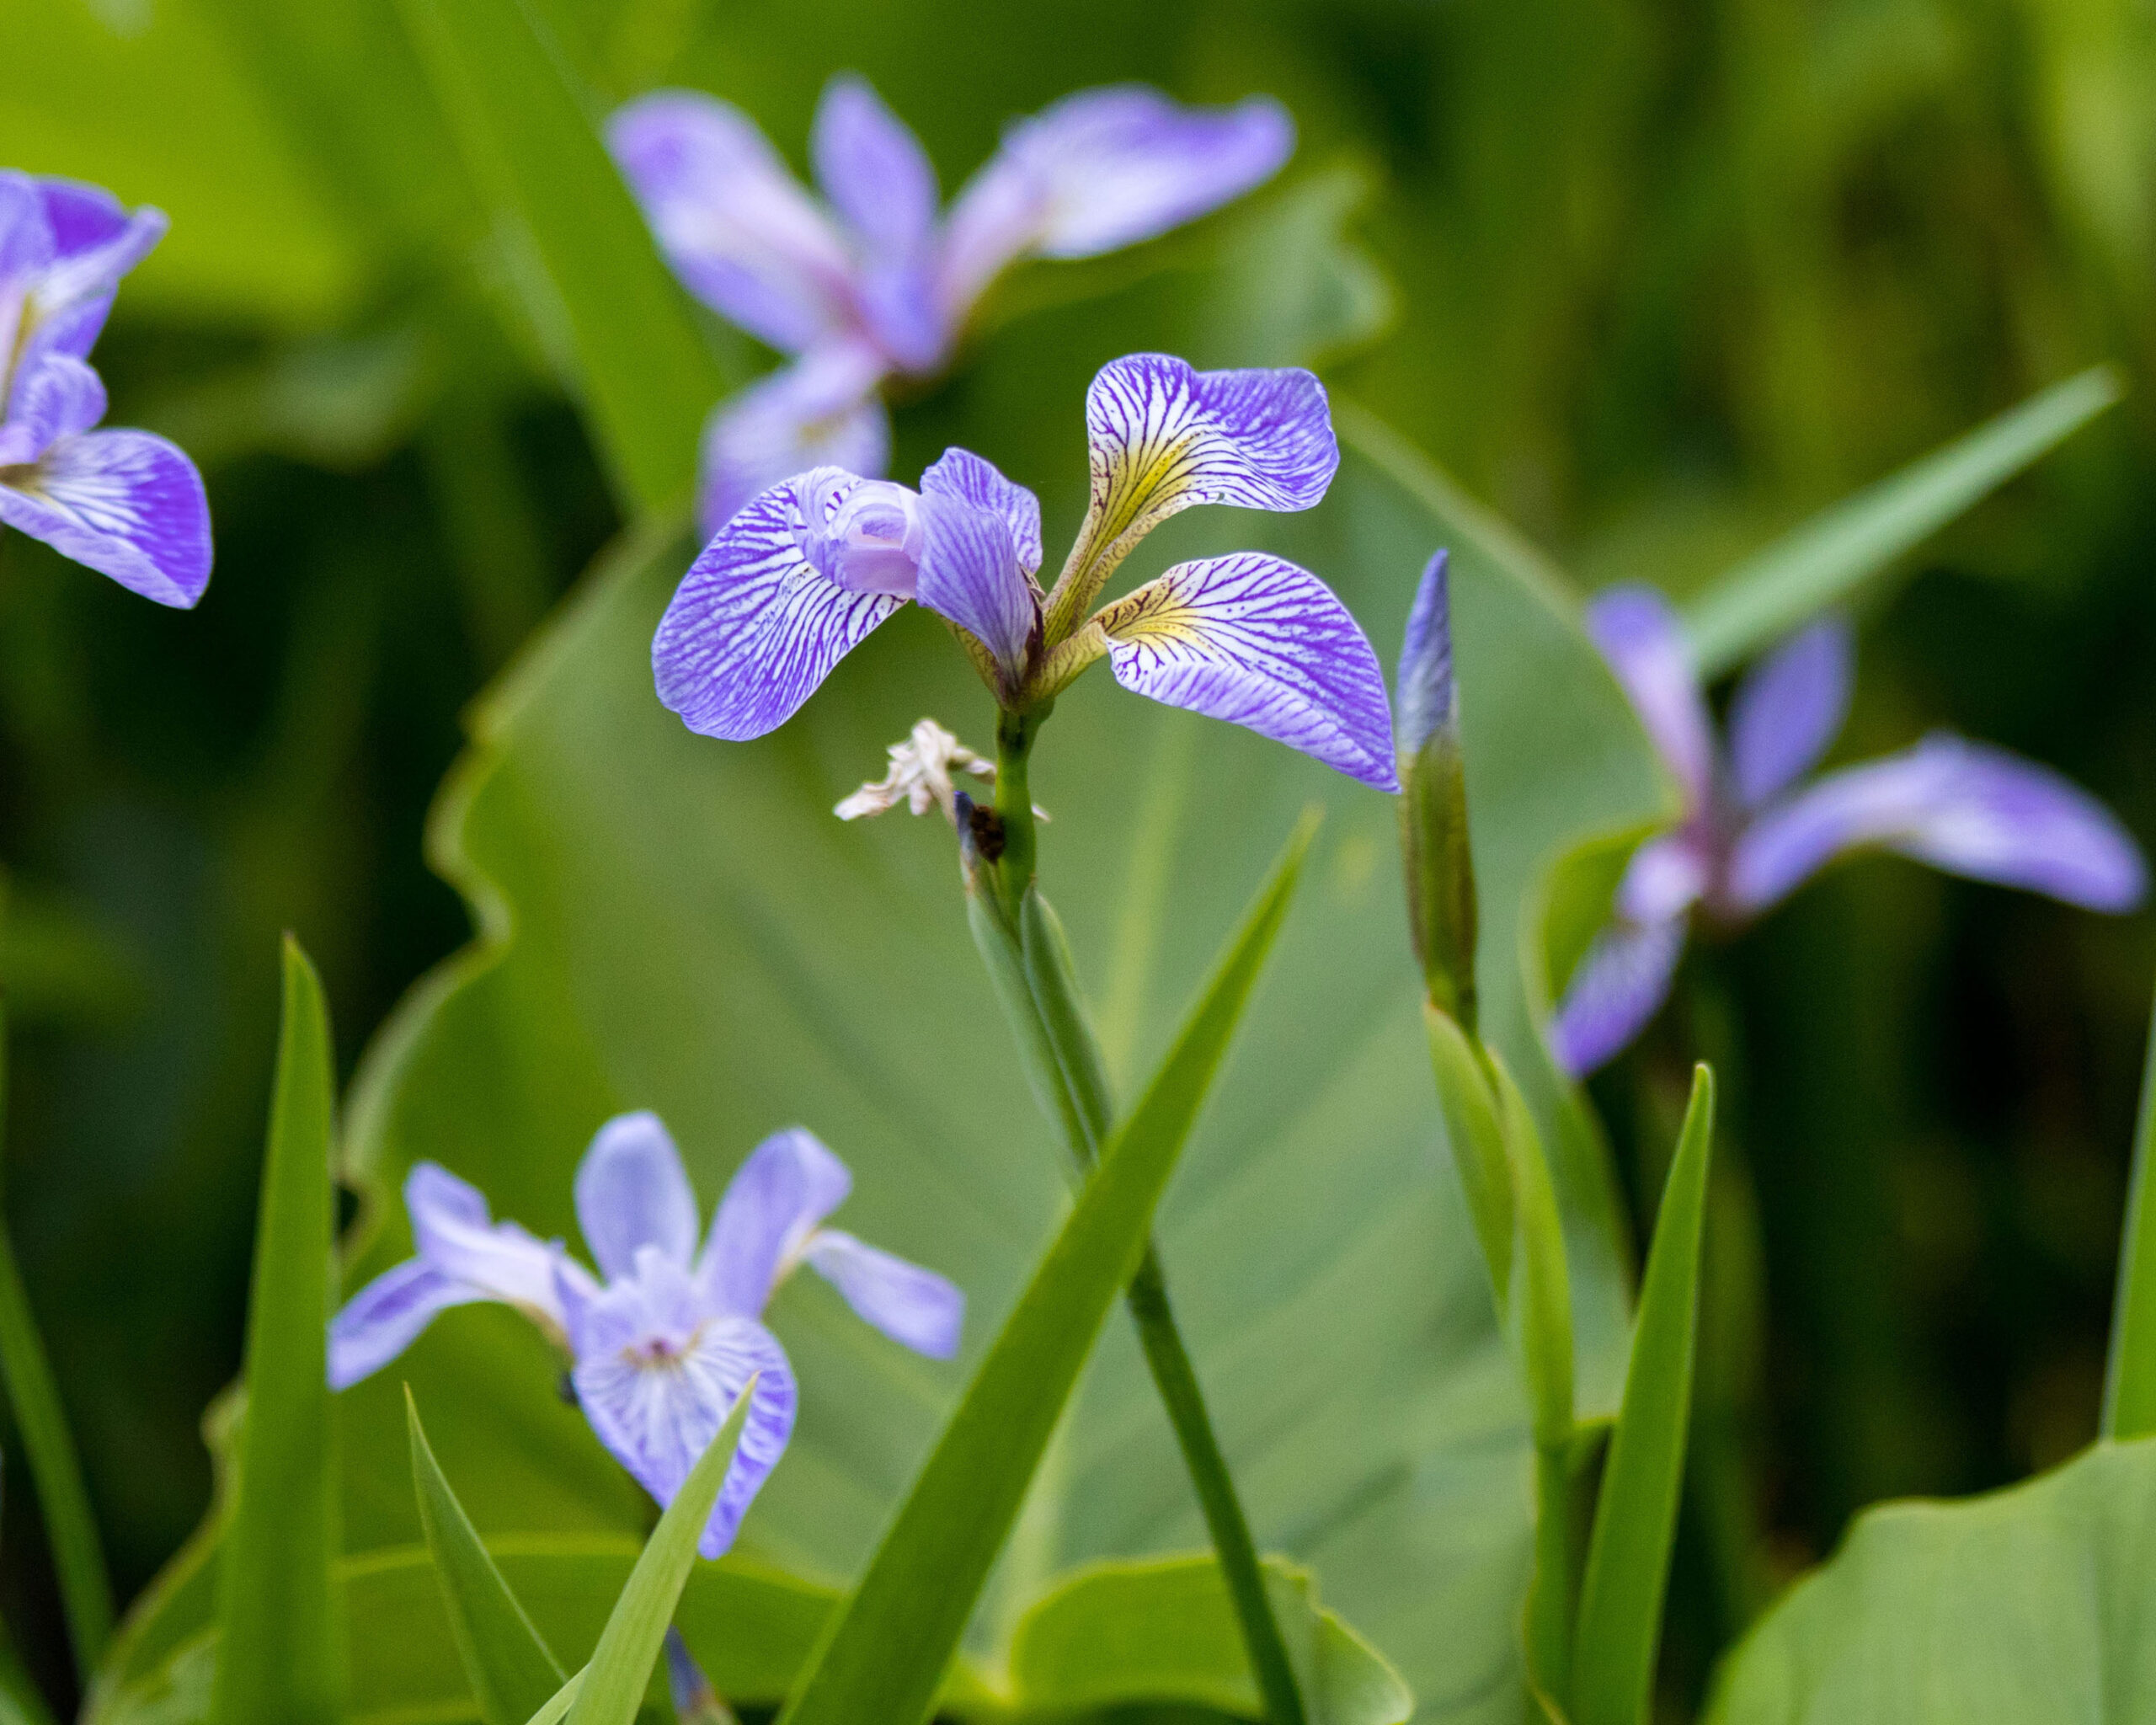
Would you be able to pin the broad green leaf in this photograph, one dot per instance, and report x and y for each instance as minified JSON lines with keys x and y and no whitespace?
{"x":887,"y":1652}
{"x":512,"y":1671}
{"x":280,"y":1661}
{"x":2029,"y":1606}
{"x":1824,"y":558}
{"x":2130,"y":1379}
{"x":646,"y":374}
{"x":611,"y":1686}
{"x":1635,"y":1516}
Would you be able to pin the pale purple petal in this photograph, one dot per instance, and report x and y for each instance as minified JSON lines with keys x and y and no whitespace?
{"x":126,"y":503}
{"x":384,"y":1317}
{"x":822,"y":411}
{"x":96,"y":242}
{"x":26,"y":238}
{"x":1665,"y":877}
{"x":1426,"y":697}
{"x":736,"y":226}
{"x":457,"y":1234}
{"x":1640,"y":636}
{"x":1258,"y":642}
{"x":1619,"y":986}
{"x":1789,"y":708}
{"x":632,"y":1192}
{"x":907,"y":1303}
{"x":868,"y":535}
{"x":58,"y":397}
{"x":873,"y":167}
{"x":789,"y":1183}
{"x":962,"y":474}
{"x":754,"y":627}
{"x":1957,"y":805}
{"x":970,"y":573}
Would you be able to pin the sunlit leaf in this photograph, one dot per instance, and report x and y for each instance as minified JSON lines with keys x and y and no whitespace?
{"x":2129,"y":1380}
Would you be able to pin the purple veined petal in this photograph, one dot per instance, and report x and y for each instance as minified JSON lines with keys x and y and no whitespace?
{"x":1620,"y":985}
{"x":455,"y":1233}
{"x":1958,"y":805}
{"x":1789,"y":708}
{"x":1258,"y":642}
{"x":789,"y":1183}
{"x":57,"y":397}
{"x":384,"y":1317}
{"x":1665,"y":877}
{"x":754,"y":627}
{"x":868,"y":535}
{"x":96,"y":241}
{"x":1426,"y":697}
{"x":970,"y":572}
{"x":126,"y":503}
{"x":733,"y":223}
{"x":1641,"y":637}
{"x":822,"y":411}
{"x":910,"y":1304}
{"x":872,"y":168}
{"x":632,"y":1192}
{"x":972,"y":478}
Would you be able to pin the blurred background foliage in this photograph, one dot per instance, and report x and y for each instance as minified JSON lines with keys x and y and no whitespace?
{"x":1665,"y":276}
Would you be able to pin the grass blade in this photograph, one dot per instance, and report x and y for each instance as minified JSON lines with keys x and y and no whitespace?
{"x":2130,"y":1374}
{"x":512,"y":1671}
{"x":1774,"y":589}
{"x":279,"y":1660}
{"x":648,"y":375}
{"x":885,"y":1654}
{"x":1636,"y":1520}
{"x":614,"y":1683}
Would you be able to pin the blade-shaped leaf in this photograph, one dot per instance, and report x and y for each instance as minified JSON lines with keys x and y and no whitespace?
{"x":511,"y":1670}
{"x":1635,"y":1517}
{"x":1772,"y":591}
{"x":2130,"y":1378}
{"x":887,"y":1652}
{"x":280,"y":1661}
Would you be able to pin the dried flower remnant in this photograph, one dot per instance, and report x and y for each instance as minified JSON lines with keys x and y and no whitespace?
{"x":921,"y":775}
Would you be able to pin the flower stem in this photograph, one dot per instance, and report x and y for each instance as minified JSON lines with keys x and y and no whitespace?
{"x":1014,"y":804}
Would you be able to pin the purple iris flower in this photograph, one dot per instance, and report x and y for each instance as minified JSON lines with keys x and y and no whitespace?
{"x":128,"y":505}
{"x":1752,"y":833}
{"x":801,"y":576}
{"x":872,"y":283}
{"x":663,"y":1344}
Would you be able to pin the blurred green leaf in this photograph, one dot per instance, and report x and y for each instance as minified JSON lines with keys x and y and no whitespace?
{"x":2029,"y":1606}
{"x":1627,"y":1571}
{"x":280,"y":1661}
{"x":512,"y":1672}
{"x":1774,"y":589}
{"x":2130,"y":1377}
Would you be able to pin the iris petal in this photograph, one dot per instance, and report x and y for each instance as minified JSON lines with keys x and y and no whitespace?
{"x":1640,"y":636}
{"x":971,"y":478}
{"x":1788,"y":709}
{"x":910,"y":1304}
{"x":790,"y":1183}
{"x":1620,"y":985}
{"x":126,"y":503}
{"x":632,"y":1191}
{"x":384,"y":1317}
{"x":821,"y":411}
{"x":970,"y":573}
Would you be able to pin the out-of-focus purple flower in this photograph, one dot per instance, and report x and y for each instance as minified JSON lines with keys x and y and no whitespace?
{"x":666,"y":1336}
{"x":126,"y":503}
{"x":869,"y":282}
{"x":1752,"y":833}
{"x":810,"y":567}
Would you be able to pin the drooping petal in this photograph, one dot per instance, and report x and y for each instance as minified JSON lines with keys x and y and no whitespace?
{"x":457,"y":1234}
{"x":873,"y":167}
{"x":1640,"y":636}
{"x":907,"y":1303}
{"x":59,"y":396}
{"x":789,"y":1183}
{"x":1619,"y":986}
{"x":1789,"y":708}
{"x":1258,"y":642}
{"x":1960,"y":806}
{"x":822,"y":411}
{"x":96,"y":241}
{"x":737,"y":228}
{"x":970,"y":573}
{"x":961,"y":473}
{"x":754,"y":627}
{"x":384,"y":1317}
{"x":126,"y":503}
{"x":1426,"y":697}
{"x":632,"y":1192}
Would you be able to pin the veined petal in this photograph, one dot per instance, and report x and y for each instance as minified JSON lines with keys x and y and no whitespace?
{"x":1640,"y":636}
{"x":754,"y":627}
{"x":970,"y":573}
{"x":1258,"y":642}
{"x":1957,"y":805}
{"x":95,"y":242}
{"x":457,"y":1234}
{"x":1620,"y":985}
{"x":126,"y":503}
{"x":737,"y":228}
{"x":908,"y":1304}
{"x":632,"y":1191}
{"x":789,"y":1183}
{"x":58,"y":397}
{"x":971,"y":479}
{"x":873,"y":167}
{"x":1426,"y":697}
{"x":1161,"y":438}
{"x":384,"y":1317}
{"x":1789,"y":708}
{"x":822,"y":411}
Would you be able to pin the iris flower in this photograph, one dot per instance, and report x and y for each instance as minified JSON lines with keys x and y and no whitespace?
{"x":665,"y":1335}
{"x":803,"y":574}
{"x":1754,"y":828}
{"x":871,"y":282}
{"x":128,"y":505}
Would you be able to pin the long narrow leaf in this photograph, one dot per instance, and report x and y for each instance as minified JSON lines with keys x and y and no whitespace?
{"x":648,"y":377}
{"x":511,"y":1670}
{"x":1636,"y":1520}
{"x":1823,"y":558}
{"x":279,"y":1659}
{"x":2130,"y":1377}
{"x":884,"y":1655}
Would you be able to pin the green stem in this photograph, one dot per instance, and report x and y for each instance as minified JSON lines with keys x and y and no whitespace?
{"x":1014,"y":804}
